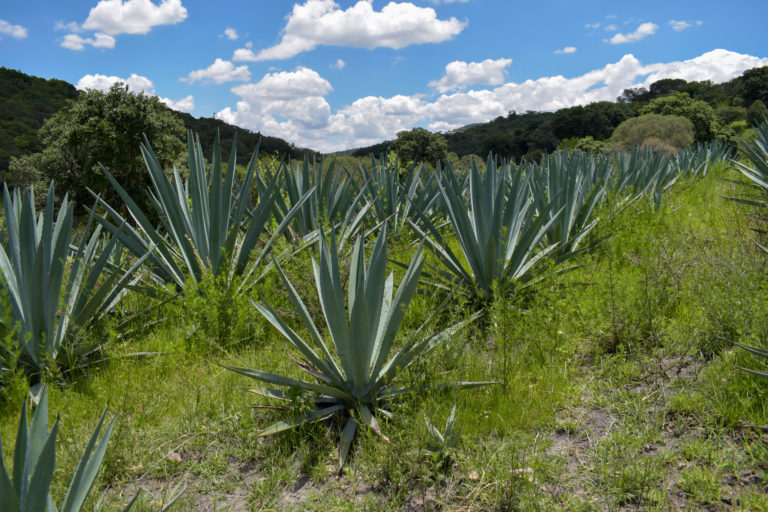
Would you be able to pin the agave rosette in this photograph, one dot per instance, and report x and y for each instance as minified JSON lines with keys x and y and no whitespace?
{"x":354,"y":377}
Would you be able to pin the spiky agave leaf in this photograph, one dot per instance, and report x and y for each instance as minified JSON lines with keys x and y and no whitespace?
{"x":354,"y":374}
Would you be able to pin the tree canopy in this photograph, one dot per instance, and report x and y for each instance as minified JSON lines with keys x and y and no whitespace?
{"x":420,"y":145}
{"x":107,"y":129}
{"x":673,"y":131}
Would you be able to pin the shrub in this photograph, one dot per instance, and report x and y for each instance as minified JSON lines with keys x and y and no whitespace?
{"x":675,"y":131}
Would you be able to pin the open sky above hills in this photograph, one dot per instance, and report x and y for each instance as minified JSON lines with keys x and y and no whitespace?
{"x":335,"y":75}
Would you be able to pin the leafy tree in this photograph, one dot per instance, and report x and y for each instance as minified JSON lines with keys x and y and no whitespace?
{"x":674,"y":131}
{"x":728,"y":115}
{"x":420,"y":145}
{"x":596,"y":120}
{"x":754,"y":85}
{"x":714,"y":94}
{"x":105,"y":128}
{"x":666,"y":86}
{"x":633,"y":95}
{"x":699,"y":113}
{"x":757,"y":113}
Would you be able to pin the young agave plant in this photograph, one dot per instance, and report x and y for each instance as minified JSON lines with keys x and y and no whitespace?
{"x":498,"y":235}
{"x":52,"y":290}
{"x":447,"y":439}
{"x":357,"y":384}
{"x":34,"y":462}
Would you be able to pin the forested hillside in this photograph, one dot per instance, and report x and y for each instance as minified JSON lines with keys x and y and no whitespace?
{"x":27,"y":101}
{"x":719,"y":111}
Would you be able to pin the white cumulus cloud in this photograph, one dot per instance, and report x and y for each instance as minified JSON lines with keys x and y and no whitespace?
{"x":99,"y":40}
{"x":219,"y":72}
{"x":643,"y":31}
{"x":339,"y":64}
{"x":567,"y":49}
{"x":15,"y":31}
{"x":460,"y":74}
{"x":135,"y":83}
{"x":133,"y":16}
{"x":183,"y":105}
{"x":322,"y":22}
{"x":291,"y":105}
{"x":230,"y":33}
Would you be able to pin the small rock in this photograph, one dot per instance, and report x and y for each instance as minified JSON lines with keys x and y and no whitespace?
{"x":474,"y":476}
{"x":173,"y":457}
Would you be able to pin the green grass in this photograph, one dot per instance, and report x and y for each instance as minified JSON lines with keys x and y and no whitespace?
{"x":618,"y":390}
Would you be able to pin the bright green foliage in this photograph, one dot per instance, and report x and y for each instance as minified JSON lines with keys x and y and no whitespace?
{"x":54,"y":292}
{"x":699,"y":113}
{"x":674,"y":130}
{"x":499,"y":235}
{"x":363,"y":334}
{"x":201,"y":220}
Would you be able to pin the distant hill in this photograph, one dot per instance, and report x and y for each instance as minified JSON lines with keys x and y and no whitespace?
{"x":27,"y":101}
{"x":532,"y":133}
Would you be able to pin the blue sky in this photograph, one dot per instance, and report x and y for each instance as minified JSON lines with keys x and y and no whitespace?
{"x":335,"y":75}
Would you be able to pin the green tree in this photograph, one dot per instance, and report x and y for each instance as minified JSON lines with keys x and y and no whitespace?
{"x":420,"y":145}
{"x":674,"y":131}
{"x":107,"y":129}
{"x":754,"y":85}
{"x":699,"y":113}
{"x":757,"y":113}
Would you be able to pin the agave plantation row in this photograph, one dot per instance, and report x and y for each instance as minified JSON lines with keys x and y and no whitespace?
{"x":487,"y":233}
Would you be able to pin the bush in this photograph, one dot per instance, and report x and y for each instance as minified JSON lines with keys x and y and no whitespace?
{"x":674,"y":131}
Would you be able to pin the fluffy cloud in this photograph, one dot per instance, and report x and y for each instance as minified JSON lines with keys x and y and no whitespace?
{"x":183,"y":105}
{"x":459,"y":74}
{"x":15,"y":31}
{"x":567,"y":49}
{"x":219,"y":72}
{"x":644,"y":30}
{"x":133,"y":16}
{"x":291,"y":104}
{"x":136,"y":83}
{"x":230,"y":33}
{"x":339,"y":64}
{"x":322,"y":22}
{"x":99,"y":40}
{"x":70,"y":27}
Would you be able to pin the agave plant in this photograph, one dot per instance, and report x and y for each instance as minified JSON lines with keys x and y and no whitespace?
{"x":393,"y":195}
{"x":34,"y":462}
{"x":207,"y":224}
{"x":357,"y":384}
{"x":572,"y":182}
{"x":498,"y":236}
{"x":333,"y":196}
{"x":54,"y":290}
{"x":447,"y":439}
{"x":756,"y":152}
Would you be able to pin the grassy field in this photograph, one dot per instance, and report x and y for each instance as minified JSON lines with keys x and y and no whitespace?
{"x":617,"y":388}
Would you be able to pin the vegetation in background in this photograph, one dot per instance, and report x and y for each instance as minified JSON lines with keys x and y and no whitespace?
{"x":674,"y":131}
